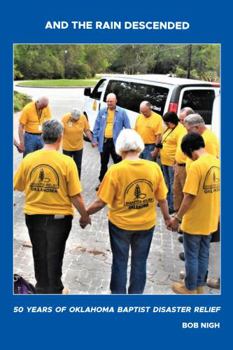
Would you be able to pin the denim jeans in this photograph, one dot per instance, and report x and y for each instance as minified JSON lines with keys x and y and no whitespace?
{"x":139,"y":242}
{"x":146,"y":152}
{"x":32,"y":143}
{"x":48,"y":236}
{"x":196,"y":251}
{"x":77,"y":157}
{"x":168,"y":174}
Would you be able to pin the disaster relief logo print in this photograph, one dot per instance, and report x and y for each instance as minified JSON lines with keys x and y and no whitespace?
{"x":44,"y":178}
{"x":212,"y":180}
{"x":139,"y":194}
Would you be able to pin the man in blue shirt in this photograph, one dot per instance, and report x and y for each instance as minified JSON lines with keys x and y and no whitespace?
{"x":109,"y":123}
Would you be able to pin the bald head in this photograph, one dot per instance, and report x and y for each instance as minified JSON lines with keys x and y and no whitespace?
{"x":145,"y":108}
{"x":111,"y":101}
{"x":42,"y":102}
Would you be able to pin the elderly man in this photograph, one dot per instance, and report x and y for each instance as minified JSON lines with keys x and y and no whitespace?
{"x":33,"y":115}
{"x":109,"y":123}
{"x":149,"y":125}
{"x":51,"y":185}
{"x":198,"y":214}
{"x":195,"y":123}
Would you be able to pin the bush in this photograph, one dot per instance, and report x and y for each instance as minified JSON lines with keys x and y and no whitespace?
{"x":20,"y":100}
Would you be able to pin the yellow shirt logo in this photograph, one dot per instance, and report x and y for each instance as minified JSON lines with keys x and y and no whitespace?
{"x":44,"y":178}
{"x":138,"y":194}
{"x":212,"y":180}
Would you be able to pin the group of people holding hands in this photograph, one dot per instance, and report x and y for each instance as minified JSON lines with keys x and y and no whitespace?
{"x":170,"y":161}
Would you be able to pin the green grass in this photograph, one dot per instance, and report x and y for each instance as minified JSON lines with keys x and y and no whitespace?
{"x":58,"y":83}
{"x":20,"y":100}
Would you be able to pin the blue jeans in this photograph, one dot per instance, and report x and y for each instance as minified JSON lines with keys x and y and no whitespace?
{"x":196,"y":251}
{"x":168,"y":173}
{"x":121,"y":240}
{"x":32,"y":143}
{"x":146,"y":152}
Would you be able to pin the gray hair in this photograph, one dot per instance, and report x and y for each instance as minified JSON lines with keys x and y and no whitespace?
{"x":75,"y":113}
{"x":194,"y":119}
{"x":145,"y":104}
{"x":51,"y":131}
{"x":129,"y":140}
{"x":187,"y":110}
{"x":111,"y":95}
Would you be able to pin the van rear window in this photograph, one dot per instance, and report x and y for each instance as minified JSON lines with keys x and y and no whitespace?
{"x":201,"y":101}
{"x":130,"y":95}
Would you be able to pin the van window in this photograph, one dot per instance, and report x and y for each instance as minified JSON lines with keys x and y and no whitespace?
{"x":201,"y":101}
{"x":130,"y":95}
{"x":97,"y":91}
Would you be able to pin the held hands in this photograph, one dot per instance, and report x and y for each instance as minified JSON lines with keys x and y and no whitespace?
{"x":84,"y":221}
{"x":167,"y":222}
{"x":94,"y":144}
{"x":173,"y":225}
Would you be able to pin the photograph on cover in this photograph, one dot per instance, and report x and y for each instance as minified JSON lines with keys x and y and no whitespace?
{"x":117,"y":169}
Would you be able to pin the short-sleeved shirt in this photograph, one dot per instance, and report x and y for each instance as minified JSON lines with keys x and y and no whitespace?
{"x":211,"y":145}
{"x":203,"y":181}
{"x":170,"y":141}
{"x":48,"y":179}
{"x":73,"y":132}
{"x":130,"y":188}
{"x":149,"y":128}
{"x":31,"y":120}
{"x":180,"y":157}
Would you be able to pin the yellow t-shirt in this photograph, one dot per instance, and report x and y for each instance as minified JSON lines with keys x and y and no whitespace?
{"x":180,"y":157}
{"x":170,"y":141}
{"x":203,"y":181}
{"x":149,"y":128}
{"x":48,"y":179}
{"x":73,"y":132}
{"x":109,"y":124}
{"x":211,"y":145}
{"x":130,"y":189}
{"x":31,"y":120}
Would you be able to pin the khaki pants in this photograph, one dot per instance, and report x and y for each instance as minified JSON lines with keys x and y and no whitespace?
{"x":178,"y":185}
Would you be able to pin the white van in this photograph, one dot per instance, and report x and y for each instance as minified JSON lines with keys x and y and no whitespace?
{"x":165,"y":93}
{"x":216,"y":117}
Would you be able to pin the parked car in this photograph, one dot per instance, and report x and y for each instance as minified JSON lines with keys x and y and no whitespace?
{"x":163,"y":92}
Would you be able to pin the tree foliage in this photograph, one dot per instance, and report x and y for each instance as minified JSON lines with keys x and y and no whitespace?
{"x":84,"y":61}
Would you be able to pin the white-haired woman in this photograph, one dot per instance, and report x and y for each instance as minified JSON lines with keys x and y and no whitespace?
{"x":75,"y":124}
{"x":130,"y":189}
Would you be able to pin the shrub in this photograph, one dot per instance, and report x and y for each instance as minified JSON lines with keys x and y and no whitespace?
{"x":20,"y":100}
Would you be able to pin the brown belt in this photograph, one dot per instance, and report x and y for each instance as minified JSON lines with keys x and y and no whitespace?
{"x":181,"y":164}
